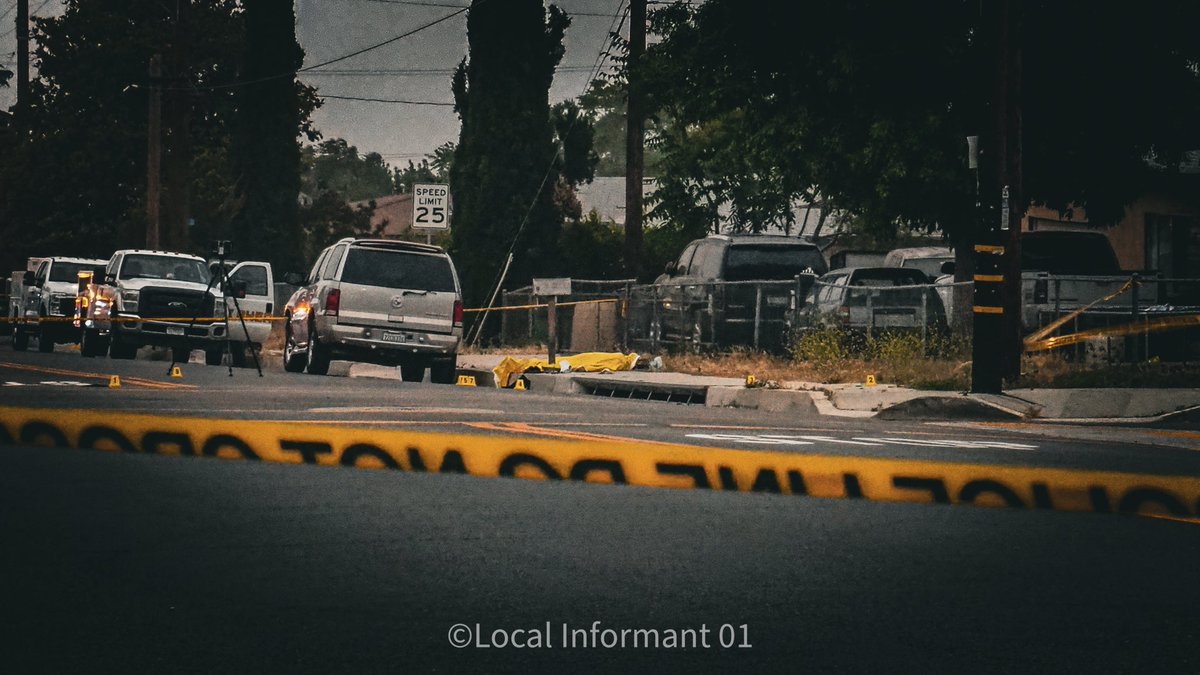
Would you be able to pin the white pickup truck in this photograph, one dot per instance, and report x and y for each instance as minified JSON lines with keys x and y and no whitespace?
{"x":42,"y":299}
{"x":151,"y":298}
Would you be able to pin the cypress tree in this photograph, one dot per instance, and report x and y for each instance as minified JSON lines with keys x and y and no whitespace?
{"x":266,"y":147}
{"x":501,"y":177}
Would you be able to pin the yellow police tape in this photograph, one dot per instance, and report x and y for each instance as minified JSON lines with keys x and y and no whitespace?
{"x":1040,"y":334}
{"x":250,"y":318}
{"x":1135,"y":328}
{"x":605,"y":460}
{"x":509,"y":308}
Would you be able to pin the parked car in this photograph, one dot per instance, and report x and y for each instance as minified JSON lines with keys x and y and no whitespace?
{"x":728,"y":290}
{"x":863,"y":299}
{"x":46,"y":298}
{"x":929,"y":259}
{"x":377,"y":301}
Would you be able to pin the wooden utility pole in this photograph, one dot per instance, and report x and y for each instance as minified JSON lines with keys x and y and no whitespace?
{"x":154,"y":154}
{"x":177,"y":145}
{"x":634,"y":141}
{"x":22,"y":55}
{"x":996,"y":352}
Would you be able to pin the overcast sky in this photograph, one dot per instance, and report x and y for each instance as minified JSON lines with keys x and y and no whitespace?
{"x":328,"y":29}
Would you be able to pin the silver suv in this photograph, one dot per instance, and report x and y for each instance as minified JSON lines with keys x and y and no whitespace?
{"x":377,"y":301}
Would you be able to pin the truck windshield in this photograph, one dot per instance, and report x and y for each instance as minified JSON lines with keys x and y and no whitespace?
{"x":68,"y":271}
{"x":148,"y":266}
{"x":745,"y":263}
{"x":398,"y":269}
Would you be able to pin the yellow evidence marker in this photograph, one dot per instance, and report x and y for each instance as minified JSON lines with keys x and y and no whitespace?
{"x":114,"y":381}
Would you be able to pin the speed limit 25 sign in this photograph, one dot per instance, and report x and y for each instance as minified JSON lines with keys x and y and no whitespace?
{"x":431,"y":207}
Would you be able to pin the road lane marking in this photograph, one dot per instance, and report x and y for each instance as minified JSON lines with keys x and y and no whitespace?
{"x":136,"y":381}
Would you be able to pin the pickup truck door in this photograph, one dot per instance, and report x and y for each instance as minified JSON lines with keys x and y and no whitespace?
{"x":259,"y":300}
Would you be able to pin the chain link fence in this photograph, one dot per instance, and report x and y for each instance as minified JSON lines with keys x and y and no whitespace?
{"x":1111,"y":319}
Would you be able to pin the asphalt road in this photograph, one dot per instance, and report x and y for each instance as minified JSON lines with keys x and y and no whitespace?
{"x":134,"y":563}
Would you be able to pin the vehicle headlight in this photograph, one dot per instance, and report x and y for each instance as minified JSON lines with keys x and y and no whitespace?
{"x":129,"y":300}
{"x":219,"y":308}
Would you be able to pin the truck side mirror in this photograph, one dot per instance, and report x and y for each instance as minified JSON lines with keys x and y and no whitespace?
{"x":670,"y":268}
{"x":292,"y":279}
{"x":110,"y":279}
{"x":27,"y":279}
{"x":948,"y":267}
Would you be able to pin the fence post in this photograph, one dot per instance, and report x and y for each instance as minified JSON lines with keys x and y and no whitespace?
{"x":925,"y":316}
{"x":1132,"y":342}
{"x":712,"y":314}
{"x":757,"y":312}
{"x":870,"y":313}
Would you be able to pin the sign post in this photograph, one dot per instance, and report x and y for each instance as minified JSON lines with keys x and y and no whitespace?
{"x":431,"y":208}
{"x":551,"y":289}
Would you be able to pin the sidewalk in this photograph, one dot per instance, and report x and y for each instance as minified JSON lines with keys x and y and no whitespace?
{"x":1112,"y":406}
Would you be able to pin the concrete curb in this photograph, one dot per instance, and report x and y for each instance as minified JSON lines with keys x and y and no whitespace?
{"x":962,"y":407}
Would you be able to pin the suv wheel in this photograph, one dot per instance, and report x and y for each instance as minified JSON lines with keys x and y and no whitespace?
{"x":318,"y":354}
{"x":412,"y":372}
{"x":292,"y":359}
{"x":443,"y":372}
{"x":20,"y":339}
{"x":214,"y":355}
{"x":121,"y":350}
{"x":88,"y":346}
{"x":237,"y":353}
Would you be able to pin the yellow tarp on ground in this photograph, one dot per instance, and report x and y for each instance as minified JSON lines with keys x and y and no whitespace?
{"x":589,"y":362}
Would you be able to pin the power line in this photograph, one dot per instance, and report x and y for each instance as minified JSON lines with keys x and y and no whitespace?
{"x":426,"y":3}
{"x":382,"y":100}
{"x":618,"y":20}
{"x":35,"y":11}
{"x":332,"y":61}
{"x":416,"y":72}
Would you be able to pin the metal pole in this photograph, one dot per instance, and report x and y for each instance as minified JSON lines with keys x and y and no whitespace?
{"x":22,"y":55}
{"x":552,"y":327}
{"x":634,"y":140}
{"x":757,"y":312}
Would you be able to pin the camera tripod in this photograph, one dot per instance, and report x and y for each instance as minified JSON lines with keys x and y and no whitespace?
{"x":226,"y":285}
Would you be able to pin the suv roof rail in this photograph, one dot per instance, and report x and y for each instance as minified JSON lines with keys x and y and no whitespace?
{"x":395,"y":243}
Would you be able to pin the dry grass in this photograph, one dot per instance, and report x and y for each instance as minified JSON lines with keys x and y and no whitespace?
{"x":918,"y":373}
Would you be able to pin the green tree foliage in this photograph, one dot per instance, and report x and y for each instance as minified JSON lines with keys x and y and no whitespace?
{"x":266,"y":147}
{"x":72,"y":181}
{"x":501,"y":178}
{"x":329,"y":218}
{"x":868,"y":103}
{"x":334,"y":164}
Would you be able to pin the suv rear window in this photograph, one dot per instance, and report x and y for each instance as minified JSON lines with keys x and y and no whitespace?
{"x":749,"y":262}
{"x":398,"y":269}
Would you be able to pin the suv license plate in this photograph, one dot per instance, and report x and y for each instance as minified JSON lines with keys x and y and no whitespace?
{"x":388,"y":336}
{"x":174,"y":330}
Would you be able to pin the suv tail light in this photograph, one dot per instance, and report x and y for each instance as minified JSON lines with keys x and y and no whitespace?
{"x":458,"y":312}
{"x":333,"y":302}
{"x":844,"y":311}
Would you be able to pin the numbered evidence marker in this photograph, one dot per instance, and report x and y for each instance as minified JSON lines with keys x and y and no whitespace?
{"x":431,"y":207}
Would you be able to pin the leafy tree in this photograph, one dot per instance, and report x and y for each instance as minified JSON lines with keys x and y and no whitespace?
{"x":330,"y":218}
{"x":336,"y":165}
{"x":501,"y":177}
{"x":75,"y":184}
{"x":870,"y":105}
